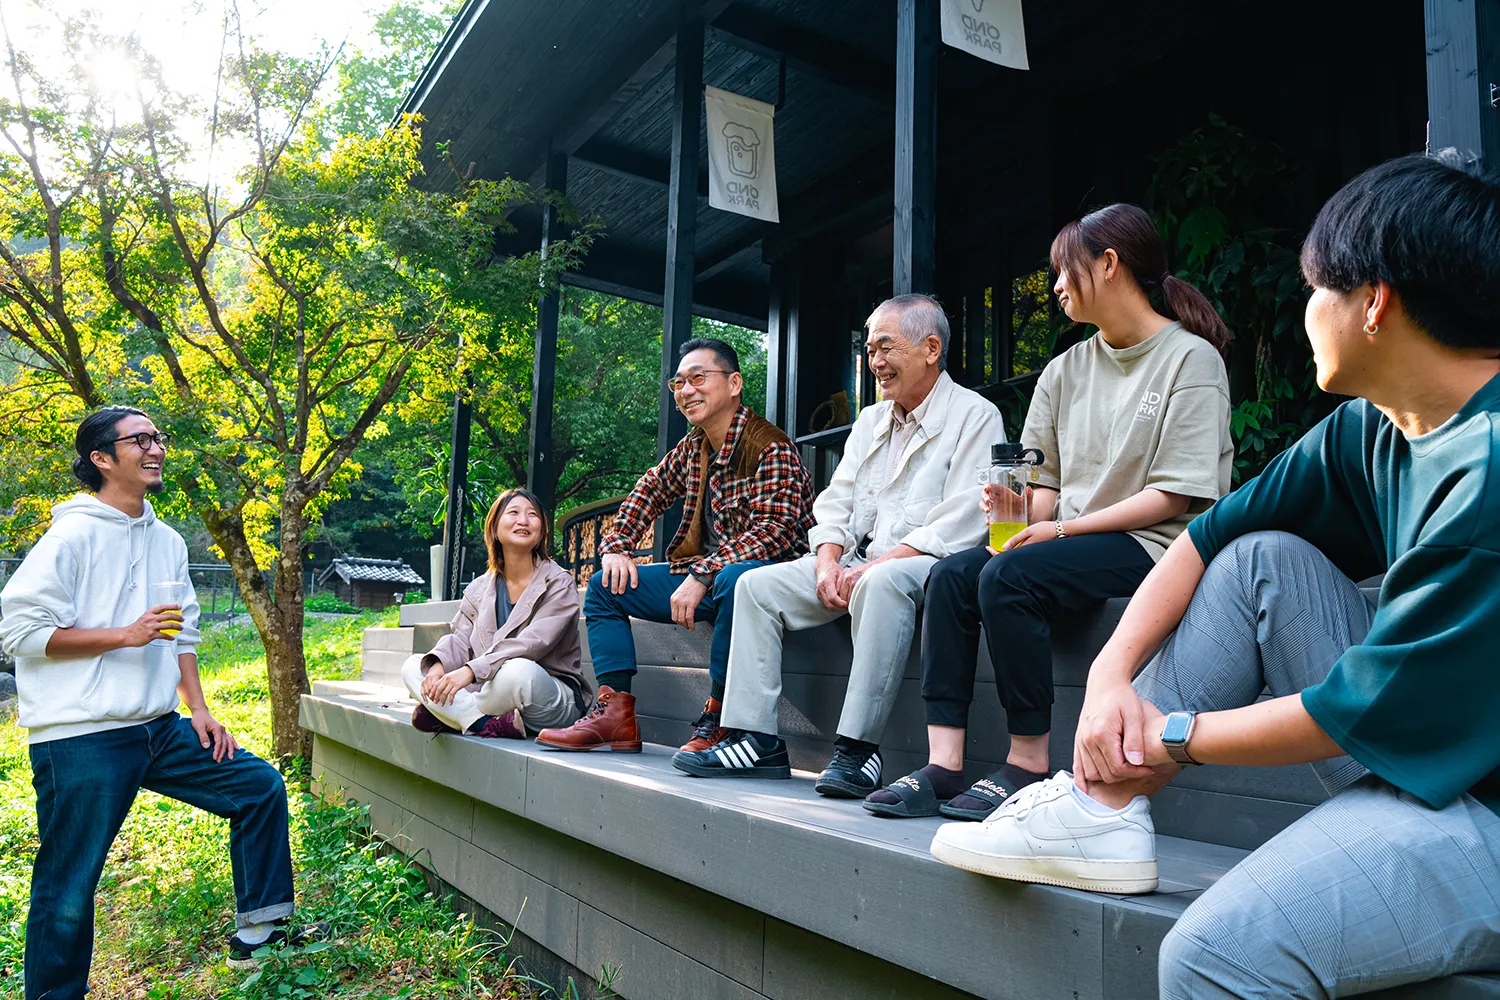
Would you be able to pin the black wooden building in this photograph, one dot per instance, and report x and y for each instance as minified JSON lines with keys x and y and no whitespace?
{"x":905,"y":165}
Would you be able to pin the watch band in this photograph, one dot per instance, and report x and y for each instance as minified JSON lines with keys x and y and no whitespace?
{"x":1060,"y":532}
{"x":1177,"y":747}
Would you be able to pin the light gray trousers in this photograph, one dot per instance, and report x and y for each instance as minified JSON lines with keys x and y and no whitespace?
{"x":519,"y":685}
{"x":1371,"y":889}
{"x":772,"y":600}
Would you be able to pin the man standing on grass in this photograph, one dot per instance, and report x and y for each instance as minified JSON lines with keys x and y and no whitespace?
{"x":99,"y":674}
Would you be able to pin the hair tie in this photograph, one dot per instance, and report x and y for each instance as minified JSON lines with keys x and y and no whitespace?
{"x":1164,"y":276}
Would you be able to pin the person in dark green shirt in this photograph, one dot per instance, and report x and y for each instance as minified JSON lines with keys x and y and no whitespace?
{"x":1395,"y":700}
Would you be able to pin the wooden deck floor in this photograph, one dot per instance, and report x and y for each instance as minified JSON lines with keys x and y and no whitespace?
{"x":775,"y":858}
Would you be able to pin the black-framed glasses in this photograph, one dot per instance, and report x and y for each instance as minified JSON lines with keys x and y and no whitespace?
{"x":694,"y":379}
{"x":145,"y":439}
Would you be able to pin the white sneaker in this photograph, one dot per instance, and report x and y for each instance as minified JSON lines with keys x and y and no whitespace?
{"x":1044,"y":834}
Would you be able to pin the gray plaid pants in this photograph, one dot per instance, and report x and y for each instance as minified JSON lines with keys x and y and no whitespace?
{"x":1372,"y":888}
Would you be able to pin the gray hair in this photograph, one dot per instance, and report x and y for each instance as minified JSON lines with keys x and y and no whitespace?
{"x":921,"y":316}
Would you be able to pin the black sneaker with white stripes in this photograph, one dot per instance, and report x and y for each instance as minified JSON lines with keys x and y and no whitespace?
{"x":738,"y":755}
{"x":854,"y":771}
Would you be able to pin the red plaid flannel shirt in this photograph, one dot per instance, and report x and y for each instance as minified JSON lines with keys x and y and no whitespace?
{"x":764,"y":515}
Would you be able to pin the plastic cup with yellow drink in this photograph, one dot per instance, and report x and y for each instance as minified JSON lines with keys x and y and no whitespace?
{"x":1012,"y":470}
{"x":168,"y":592}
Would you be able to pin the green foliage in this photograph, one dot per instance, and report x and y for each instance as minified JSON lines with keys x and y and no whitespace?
{"x":266,"y":323}
{"x":1034,"y":322}
{"x":327,"y":602}
{"x":165,"y":915}
{"x":605,"y":404}
{"x":371,"y":85}
{"x":1213,"y":195}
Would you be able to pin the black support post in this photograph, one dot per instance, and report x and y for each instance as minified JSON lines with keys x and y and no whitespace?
{"x":544,"y":366}
{"x":1463,"y":76}
{"x":975,"y":330}
{"x":682,"y":233}
{"x":458,"y":498}
{"x":916,"y":145}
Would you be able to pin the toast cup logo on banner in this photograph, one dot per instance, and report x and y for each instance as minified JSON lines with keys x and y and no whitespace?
{"x":993,"y":30}
{"x":741,"y":155}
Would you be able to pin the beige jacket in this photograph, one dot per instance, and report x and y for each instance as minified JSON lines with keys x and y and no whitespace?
{"x":932,"y":501}
{"x":543,"y":626}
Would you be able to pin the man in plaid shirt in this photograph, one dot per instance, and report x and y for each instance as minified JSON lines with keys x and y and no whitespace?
{"x":747,"y":501}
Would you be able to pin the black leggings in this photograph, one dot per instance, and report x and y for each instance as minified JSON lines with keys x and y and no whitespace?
{"x":1015,"y":595}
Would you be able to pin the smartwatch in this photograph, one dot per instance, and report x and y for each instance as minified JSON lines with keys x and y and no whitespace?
{"x":1175,"y":735}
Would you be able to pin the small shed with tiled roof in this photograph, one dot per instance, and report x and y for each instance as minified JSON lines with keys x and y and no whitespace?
{"x":370,"y":583}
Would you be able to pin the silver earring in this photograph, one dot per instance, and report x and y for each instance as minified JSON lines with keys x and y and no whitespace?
{"x":1372,"y":328}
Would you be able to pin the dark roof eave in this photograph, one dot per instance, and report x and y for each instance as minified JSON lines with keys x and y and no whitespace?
{"x":468,"y":15}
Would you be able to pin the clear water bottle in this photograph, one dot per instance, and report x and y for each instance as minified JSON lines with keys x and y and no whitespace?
{"x":1013,"y":469}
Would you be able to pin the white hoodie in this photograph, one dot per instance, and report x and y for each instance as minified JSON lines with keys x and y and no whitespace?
{"x":93,"y":569}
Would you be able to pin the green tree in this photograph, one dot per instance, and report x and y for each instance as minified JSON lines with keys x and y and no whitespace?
{"x":370,"y":84}
{"x":605,"y":401}
{"x":1218,"y":195}
{"x":267,"y":324}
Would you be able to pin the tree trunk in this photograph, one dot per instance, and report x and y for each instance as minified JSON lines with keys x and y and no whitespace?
{"x":277,"y":613}
{"x":286,"y":660}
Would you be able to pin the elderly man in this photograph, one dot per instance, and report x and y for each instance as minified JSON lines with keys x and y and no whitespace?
{"x":905,"y":495}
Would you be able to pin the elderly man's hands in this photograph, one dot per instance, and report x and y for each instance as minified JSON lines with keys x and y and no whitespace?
{"x":828,"y":575}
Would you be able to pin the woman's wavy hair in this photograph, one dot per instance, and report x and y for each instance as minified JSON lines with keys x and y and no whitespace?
{"x":1129,"y":231}
{"x":542,"y":549}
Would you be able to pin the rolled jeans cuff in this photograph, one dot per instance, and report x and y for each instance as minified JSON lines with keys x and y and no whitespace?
{"x":263,"y":915}
{"x":948,"y":712}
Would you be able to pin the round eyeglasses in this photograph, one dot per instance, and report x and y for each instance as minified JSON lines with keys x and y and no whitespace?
{"x":145,"y":439}
{"x":695,"y":379}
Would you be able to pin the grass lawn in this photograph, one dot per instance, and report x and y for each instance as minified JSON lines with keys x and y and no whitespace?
{"x":165,"y":906}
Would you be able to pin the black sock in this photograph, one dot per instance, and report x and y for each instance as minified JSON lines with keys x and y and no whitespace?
{"x":716,"y":690}
{"x":477,"y":724}
{"x":618,"y":680}
{"x":1021,"y":776}
{"x":763,"y":740}
{"x":858,"y":746}
{"x":1013,"y":777}
{"x":945,"y":784}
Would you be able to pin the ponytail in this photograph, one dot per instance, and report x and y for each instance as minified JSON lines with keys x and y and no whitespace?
{"x":1129,"y":231}
{"x":1188,"y":306}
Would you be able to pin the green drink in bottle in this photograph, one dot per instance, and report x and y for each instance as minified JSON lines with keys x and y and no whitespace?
{"x":1013,"y":469}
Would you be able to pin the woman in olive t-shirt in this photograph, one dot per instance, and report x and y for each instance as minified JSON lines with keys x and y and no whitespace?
{"x":1133,"y":424}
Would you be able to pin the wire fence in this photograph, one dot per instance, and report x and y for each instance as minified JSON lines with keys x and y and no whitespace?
{"x":213,"y":583}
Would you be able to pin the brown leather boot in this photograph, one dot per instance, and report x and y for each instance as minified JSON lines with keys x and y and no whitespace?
{"x":706,"y":731}
{"x":609,"y":725}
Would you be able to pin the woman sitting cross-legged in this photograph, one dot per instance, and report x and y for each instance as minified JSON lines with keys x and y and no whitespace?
{"x":511,"y":663}
{"x":1133,"y":426}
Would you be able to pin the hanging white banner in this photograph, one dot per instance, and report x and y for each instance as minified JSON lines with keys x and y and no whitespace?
{"x":989,"y":29}
{"x":741,"y":154}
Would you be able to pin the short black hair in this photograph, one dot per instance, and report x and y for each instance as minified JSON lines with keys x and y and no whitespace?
{"x":96,"y":433}
{"x":727,"y":355}
{"x":1429,"y":226}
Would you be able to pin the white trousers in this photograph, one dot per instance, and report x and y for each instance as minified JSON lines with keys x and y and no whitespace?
{"x":770,"y":600}
{"x":542,"y":700}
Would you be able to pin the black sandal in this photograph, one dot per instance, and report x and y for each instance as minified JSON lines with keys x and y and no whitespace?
{"x":915,"y":798}
{"x":988,"y":793}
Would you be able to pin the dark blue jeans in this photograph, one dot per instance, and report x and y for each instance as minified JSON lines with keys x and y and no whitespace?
{"x":84,"y":787}
{"x":610,"y":642}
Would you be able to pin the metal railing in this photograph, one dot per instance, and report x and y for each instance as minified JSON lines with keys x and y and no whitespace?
{"x":214,"y":583}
